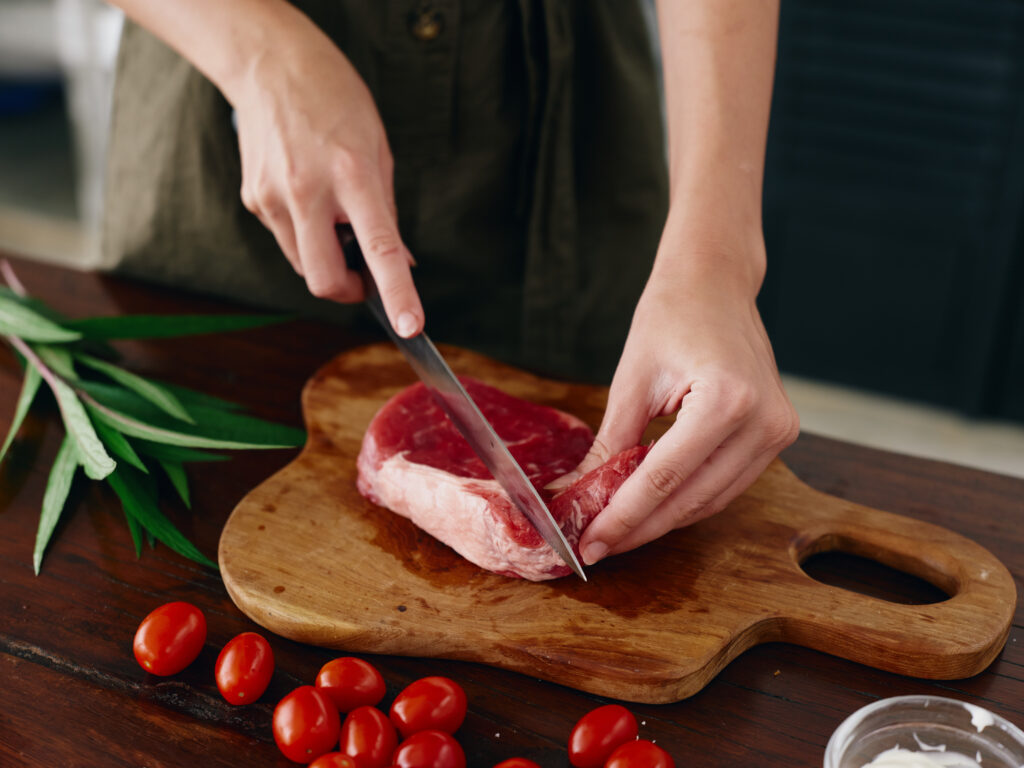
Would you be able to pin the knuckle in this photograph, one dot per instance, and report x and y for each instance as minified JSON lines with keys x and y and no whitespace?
{"x":302,"y":187}
{"x":739,"y":399}
{"x":734,"y":398}
{"x":622,"y":526}
{"x":323,"y":287}
{"x":383,"y":246}
{"x":793,"y":429}
{"x":351,"y":167}
{"x":698,"y":503}
{"x":777,"y":427}
{"x":782,"y":426}
{"x":710,"y":509}
{"x":264,"y":196}
{"x":663,"y":479}
{"x":248,"y":198}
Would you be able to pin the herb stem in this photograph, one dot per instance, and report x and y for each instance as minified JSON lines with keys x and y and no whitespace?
{"x":7,"y":272}
{"x":30,"y":354}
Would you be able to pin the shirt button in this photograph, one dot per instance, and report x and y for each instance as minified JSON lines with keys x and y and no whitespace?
{"x":425,"y":22}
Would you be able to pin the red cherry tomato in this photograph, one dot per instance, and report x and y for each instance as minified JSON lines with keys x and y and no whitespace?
{"x":351,"y":683}
{"x":430,"y":703}
{"x":170,"y":638}
{"x":306,"y":724}
{"x":640,"y":754}
{"x":244,"y":668}
{"x":517,"y":762}
{"x":598,"y":733}
{"x":429,"y":749}
{"x":333,"y":760}
{"x":368,"y":737}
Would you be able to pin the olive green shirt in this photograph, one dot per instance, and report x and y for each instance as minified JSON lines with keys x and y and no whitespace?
{"x":529,"y":172}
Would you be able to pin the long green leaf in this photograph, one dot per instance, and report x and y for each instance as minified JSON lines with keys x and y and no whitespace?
{"x":91,"y":453}
{"x":190,"y":397}
{"x":135,"y":530}
{"x":150,"y":390}
{"x":244,"y":428}
{"x":130,"y":488}
{"x":211,"y":423}
{"x":176,"y":474}
{"x":38,"y":306}
{"x":29,"y":387}
{"x":17,"y":319}
{"x":58,"y":359}
{"x":57,"y":488}
{"x":165,"y":326}
{"x":134,"y":428}
{"x":119,"y":445}
{"x":177,"y":453}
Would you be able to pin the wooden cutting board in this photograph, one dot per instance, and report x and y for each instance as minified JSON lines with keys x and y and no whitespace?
{"x":307,"y":557}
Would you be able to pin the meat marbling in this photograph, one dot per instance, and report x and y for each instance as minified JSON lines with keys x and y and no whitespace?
{"x":414,"y":462}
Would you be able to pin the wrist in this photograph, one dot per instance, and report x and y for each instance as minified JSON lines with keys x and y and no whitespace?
{"x":257,"y":47}
{"x":720,"y":245}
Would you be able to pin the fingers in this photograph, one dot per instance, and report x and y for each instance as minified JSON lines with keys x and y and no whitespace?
{"x":667,"y":491}
{"x":622,"y":427}
{"x":323,"y":263}
{"x":705,"y":420}
{"x":708,"y":491}
{"x":280,"y":224}
{"x":386,"y":256}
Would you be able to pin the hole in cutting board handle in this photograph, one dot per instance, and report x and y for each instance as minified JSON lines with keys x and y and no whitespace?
{"x":839,"y":562}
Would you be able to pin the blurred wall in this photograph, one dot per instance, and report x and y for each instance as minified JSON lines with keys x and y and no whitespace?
{"x":894,"y":194}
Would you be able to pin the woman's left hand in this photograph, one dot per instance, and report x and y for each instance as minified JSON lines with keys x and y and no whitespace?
{"x":696,"y":348}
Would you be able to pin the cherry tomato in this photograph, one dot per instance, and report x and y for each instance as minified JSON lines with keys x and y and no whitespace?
{"x":598,"y":733}
{"x":429,"y":749}
{"x":430,"y":703}
{"x":306,"y":724}
{"x":170,"y":638}
{"x":368,"y":737}
{"x":244,"y":668}
{"x":517,"y":762}
{"x":351,"y":683}
{"x":640,"y":754}
{"x":333,"y":760}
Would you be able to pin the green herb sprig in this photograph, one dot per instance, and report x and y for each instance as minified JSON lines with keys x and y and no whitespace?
{"x":121,"y":427}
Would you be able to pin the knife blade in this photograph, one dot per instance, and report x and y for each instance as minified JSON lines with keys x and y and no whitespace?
{"x":464,"y":413}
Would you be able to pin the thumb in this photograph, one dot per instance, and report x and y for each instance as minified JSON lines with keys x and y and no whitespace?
{"x":622,"y":427}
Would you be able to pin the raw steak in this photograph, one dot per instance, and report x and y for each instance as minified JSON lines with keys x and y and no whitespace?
{"x":414,"y":462}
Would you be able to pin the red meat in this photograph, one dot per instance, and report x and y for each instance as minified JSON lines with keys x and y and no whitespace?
{"x":414,"y":462}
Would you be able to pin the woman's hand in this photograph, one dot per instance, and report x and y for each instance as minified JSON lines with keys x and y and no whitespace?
{"x":315,"y":154}
{"x":696,"y":348}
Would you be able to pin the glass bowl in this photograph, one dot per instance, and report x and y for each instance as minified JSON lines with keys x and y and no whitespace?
{"x":934,"y":727}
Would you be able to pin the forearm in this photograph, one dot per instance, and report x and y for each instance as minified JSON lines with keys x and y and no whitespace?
{"x":718,"y":58}
{"x":225,"y":39}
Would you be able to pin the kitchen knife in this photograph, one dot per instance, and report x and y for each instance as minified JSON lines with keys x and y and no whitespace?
{"x":449,"y":393}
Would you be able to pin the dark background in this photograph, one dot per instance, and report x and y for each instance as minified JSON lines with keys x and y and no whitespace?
{"x":894,"y":193}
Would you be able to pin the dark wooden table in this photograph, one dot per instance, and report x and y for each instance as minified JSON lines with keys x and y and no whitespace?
{"x":71,"y":693}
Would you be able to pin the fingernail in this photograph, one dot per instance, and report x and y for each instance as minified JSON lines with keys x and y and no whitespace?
{"x":406,"y":324}
{"x":594,"y":552}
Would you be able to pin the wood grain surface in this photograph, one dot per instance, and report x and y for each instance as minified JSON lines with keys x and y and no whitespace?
{"x":307,"y":557}
{"x":74,"y":696}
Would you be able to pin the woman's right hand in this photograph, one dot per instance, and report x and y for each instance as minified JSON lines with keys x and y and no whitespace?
{"x":314,"y":154}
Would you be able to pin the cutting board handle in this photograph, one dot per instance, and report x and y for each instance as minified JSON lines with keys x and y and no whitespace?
{"x":947,"y":635}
